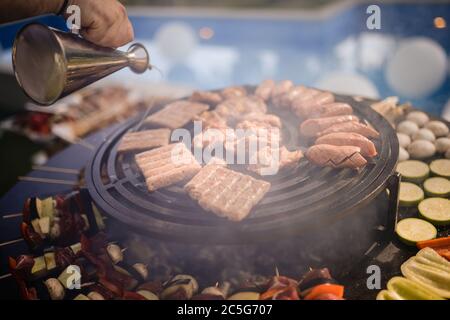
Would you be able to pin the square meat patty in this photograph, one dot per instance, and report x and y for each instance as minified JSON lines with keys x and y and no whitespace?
{"x":167,"y":165}
{"x":225,"y":192}
{"x":143,"y":140}
{"x":176,"y":114}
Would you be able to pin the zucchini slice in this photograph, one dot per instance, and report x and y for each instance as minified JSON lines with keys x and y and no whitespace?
{"x":413,"y":170}
{"x":441,"y":167}
{"x":410,"y":194}
{"x":437,"y":187}
{"x":412,"y":230}
{"x":436,"y":210}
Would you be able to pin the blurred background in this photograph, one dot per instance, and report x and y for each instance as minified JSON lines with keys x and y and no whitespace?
{"x":212,"y":44}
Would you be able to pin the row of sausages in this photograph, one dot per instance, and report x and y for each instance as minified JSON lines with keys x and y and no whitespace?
{"x":339,"y":138}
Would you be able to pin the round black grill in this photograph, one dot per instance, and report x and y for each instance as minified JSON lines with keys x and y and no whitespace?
{"x":299,"y":200}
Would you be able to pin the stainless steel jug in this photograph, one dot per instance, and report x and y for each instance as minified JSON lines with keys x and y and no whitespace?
{"x":50,"y":64}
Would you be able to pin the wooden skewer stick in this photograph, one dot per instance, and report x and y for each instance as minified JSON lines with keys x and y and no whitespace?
{"x":12,"y":215}
{"x":45,"y":180}
{"x":6,"y":243}
{"x":55,"y":169}
{"x":5,"y":276}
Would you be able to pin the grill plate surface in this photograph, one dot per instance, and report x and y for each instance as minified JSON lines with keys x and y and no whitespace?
{"x":299,"y":200}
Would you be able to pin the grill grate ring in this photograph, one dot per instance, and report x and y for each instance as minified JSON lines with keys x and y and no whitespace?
{"x":299,"y":199}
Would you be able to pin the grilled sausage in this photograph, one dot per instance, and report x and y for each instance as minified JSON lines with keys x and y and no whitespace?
{"x":353,"y":126}
{"x":329,"y":110}
{"x":349,"y":139}
{"x":336,"y":156}
{"x":312,"y":127}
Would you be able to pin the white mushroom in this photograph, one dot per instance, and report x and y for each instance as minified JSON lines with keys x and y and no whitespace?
{"x":403,"y":139}
{"x":93,"y":295}
{"x":421,"y":149}
{"x":55,"y":289}
{"x":403,"y":154}
{"x":424,"y":134}
{"x":442,"y":144}
{"x":439,"y":128}
{"x":419,"y":117}
{"x":407,"y":127}
{"x":141,"y":269}
{"x":115,"y":253}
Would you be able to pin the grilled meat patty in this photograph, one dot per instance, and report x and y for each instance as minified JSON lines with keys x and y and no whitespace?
{"x":225,"y":192}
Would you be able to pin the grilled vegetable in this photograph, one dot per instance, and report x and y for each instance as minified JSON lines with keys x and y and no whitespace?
{"x":421,"y":149}
{"x":435,"y":210}
{"x":386,"y":295}
{"x":403,"y":155}
{"x":413,"y":170}
{"x":419,"y":117}
{"x":410,"y":194}
{"x":147,"y":295}
{"x":93,"y":295}
{"x":435,"y":243}
{"x":407,"y":127}
{"x":327,"y":288}
{"x":440,"y":245}
{"x":405,"y":289}
{"x":55,"y":289}
{"x":439,"y":128}
{"x":412,"y":230}
{"x":281,"y":288}
{"x":424,"y":134}
{"x":440,"y":167}
{"x":50,"y":261}
{"x":39,"y":267}
{"x":442,"y":144}
{"x":437,"y":187}
{"x":246,"y":295}
{"x":115,"y":253}
{"x":180,"y":287}
{"x":141,"y":269}
{"x":430,"y":270}
{"x":403,"y":140}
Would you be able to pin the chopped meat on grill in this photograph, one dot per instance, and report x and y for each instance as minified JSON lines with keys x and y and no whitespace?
{"x":226,"y":193}
{"x":264,"y":90}
{"x":211,"y":119}
{"x":336,"y":156}
{"x":167,"y":165}
{"x":312,"y":127}
{"x":304,"y":105}
{"x":268,"y":161}
{"x":208,"y":97}
{"x":349,"y":139}
{"x":176,"y":114}
{"x":251,"y":137}
{"x":213,"y":136}
{"x":262,"y":119}
{"x":236,"y":109}
{"x":280,"y":89}
{"x":143,"y":140}
{"x":328,"y":110}
{"x":233,"y":92}
{"x":285,"y":100}
{"x":351,"y":126}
